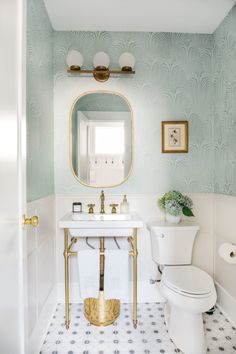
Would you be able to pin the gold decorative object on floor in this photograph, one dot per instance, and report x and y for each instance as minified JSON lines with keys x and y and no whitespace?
{"x":101,"y":312}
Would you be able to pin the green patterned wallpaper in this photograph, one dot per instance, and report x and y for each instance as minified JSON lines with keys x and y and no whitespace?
{"x":40,"y":175}
{"x":178,"y":76}
{"x":224,"y":64}
{"x":173,"y":81}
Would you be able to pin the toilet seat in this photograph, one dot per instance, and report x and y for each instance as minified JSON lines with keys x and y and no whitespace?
{"x":189,"y":281}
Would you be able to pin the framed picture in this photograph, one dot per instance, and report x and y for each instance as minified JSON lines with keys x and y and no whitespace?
{"x":174,"y":136}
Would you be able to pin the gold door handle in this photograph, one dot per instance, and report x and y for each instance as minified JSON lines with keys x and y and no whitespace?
{"x":33,"y":221}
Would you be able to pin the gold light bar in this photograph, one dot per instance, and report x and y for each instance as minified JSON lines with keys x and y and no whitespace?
{"x":101,"y":74}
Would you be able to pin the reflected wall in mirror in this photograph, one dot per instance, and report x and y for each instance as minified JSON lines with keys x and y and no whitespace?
{"x":101,"y":125}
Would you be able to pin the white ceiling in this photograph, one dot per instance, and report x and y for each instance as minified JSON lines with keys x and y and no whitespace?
{"x":191,"y":16}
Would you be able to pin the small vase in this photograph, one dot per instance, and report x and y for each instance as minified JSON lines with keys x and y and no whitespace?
{"x":173,"y":219}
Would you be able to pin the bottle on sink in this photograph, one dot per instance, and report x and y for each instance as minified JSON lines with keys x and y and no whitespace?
{"x":124,"y":206}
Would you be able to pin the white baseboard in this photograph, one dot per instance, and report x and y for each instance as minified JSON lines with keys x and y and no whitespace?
{"x":226,"y":303}
{"x":146,"y":293}
{"x":39,"y":332}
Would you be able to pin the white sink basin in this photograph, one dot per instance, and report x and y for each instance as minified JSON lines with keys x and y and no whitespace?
{"x":100,"y":217}
{"x":100,"y":225}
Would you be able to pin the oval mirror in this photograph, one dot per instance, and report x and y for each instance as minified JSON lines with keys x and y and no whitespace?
{"x":101,"y":126}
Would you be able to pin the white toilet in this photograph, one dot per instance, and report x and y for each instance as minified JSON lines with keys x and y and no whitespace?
{"x":188,"y":290}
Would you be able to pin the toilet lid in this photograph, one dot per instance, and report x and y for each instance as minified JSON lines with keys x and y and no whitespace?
{"x":188,"y":280}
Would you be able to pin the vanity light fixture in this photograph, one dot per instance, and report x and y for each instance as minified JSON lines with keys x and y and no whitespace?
{"x":74,"y":60}
{"x":127,"y":61}
{"x":101,"y":61}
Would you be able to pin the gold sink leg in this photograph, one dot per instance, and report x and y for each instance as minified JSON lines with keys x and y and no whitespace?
{"x":66,"y":257}
{"x":135,"y":254}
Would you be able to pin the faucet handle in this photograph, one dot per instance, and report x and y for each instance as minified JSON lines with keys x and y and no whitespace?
{"x":91,"y":208}
{"x":113,"y":208}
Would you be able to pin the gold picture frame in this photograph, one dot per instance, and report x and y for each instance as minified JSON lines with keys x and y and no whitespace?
{"x":175,"y":136}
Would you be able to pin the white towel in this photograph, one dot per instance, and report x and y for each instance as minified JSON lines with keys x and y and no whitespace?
{"x":116,"y":274}
{"x":89,"y":273}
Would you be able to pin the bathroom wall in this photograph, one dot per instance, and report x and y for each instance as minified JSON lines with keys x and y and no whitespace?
{"x":172,"y":81}
{"x":224,"y":75}
{"x":40,"y":169}
{"x":225,"y":231}
{"x":40,"y":174}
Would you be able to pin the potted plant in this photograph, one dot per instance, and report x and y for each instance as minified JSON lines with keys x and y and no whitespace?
{"x":174,"y":204}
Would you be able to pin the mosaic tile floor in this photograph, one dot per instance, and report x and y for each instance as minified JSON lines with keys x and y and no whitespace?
{"x":151,"y":336}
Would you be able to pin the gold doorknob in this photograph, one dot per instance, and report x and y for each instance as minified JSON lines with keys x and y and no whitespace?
{"x":33,"y":221}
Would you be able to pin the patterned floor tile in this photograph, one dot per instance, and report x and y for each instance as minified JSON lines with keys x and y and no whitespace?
{"x":151,"y":336}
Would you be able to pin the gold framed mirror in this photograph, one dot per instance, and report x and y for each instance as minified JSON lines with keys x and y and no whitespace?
{"x":101,"y":139}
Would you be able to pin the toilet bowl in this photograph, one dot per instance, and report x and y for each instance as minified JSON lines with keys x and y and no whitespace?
{"x":189,"y":292}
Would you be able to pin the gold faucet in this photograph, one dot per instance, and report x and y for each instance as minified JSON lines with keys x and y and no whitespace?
{"x":102,"y":198}
{"x":91,"y":208}
{"x":113,"y":208}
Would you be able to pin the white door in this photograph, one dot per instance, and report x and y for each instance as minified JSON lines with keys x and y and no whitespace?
{"x":12,"y":178}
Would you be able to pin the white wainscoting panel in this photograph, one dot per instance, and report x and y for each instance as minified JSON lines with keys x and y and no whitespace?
{"x":227,"y":303}
{"x":225,"y":273}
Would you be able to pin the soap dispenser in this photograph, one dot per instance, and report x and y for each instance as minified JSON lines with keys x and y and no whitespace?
{"x":124,"y":206}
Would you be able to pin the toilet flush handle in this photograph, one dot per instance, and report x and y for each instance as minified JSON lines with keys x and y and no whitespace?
{"x":161,"y":235}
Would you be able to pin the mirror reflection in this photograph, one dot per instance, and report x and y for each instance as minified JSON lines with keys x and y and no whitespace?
{"x":101,"y":139}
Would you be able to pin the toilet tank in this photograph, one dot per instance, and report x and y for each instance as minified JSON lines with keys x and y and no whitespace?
{"x":172,"y":244}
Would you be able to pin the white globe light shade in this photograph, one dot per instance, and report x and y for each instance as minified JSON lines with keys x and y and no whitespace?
{"x":101,"y":59}
{"x":74,"y":58}
{"x":127,"y":59}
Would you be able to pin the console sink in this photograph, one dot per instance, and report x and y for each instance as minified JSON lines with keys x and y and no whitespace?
{"x":100,"y":225}
{"x":100,"y":217}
